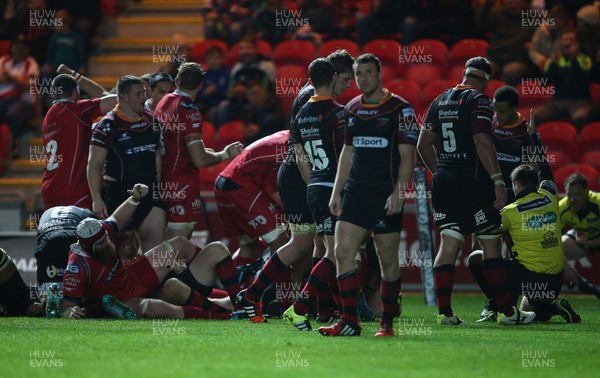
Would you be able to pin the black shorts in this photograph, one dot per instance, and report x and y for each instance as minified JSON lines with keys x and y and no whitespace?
{"x":292,"y":191}
{"x":367,"y":210}
{"x":52,"y":254}
{"x":114,"y":193}
{"x":318,"y":197}
{"x":539,"y":288}
{"x":466,"y":205}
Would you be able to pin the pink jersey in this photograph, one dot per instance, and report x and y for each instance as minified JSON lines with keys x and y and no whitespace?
{"x":259,"y":161}
{"x":177,"y":118}
{"x":67,"y":130}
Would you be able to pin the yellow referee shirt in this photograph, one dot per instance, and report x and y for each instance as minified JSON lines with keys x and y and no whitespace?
{"x":587,"y":223}
{"x":534,"y":225}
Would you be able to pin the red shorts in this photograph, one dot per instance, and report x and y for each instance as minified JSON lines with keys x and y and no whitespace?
{"x":142,"y":277}
{"x":248,"y":211}
{"x":181,"y":196}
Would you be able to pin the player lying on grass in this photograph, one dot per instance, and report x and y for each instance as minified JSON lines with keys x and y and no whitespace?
{"x":95,"y":270}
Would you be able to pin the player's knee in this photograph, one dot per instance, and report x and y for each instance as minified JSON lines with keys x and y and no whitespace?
{"x":453,"y":232}
{"x":158,"y":309}
{"x":217,"y":249}
{"x":475,"y":258}
{"x":174,"y":291}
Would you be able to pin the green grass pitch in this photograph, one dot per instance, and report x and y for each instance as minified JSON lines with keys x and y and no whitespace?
{"x":421,"y":348}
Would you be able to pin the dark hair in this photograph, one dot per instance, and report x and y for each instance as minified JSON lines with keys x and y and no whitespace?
{"x":146,"y":78}
{"x":342,"y":61}
{"x":126,"y":82}
{"x":190,"y":75}
{"x":508,"y":94}
{"x":159,"y":78}
{"x":321,"y":72}
{"x":63,"y":86}
{"x":525,"y":175}
{"x":577,"y":179}
{"x":214,"y":49}
{"x":367,"y":58}
{"x":248,"y":39}
{"x":479,"y":63}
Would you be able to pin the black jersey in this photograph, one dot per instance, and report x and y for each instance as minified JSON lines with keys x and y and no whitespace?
{"x":375,"y":131}
{"x":319,"y":128}
{"x":302,"y":98}
{"x":513,"y":146}
{"x":62,"y":218}
{"x":455,"y":116}
{"x":131,"y":147}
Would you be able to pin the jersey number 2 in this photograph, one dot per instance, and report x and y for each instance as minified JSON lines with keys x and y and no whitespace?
{"x":51,"y":149}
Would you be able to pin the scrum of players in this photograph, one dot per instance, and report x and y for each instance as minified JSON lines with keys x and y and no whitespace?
{"x":111,"y":243}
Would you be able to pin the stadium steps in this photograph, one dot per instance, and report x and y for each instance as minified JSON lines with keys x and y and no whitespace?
{"x":124,"y":64}
{"x":159,"y":26}
{"x":180,"y":7}
{"x":140,"y":45}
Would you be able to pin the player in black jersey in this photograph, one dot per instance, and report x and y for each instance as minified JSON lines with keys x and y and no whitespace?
{"x":468,"y":189}
{"x":124,"y":150}
{"x":375,"y":165}
{"x":292,"y":191}
{"x":319,"y":134}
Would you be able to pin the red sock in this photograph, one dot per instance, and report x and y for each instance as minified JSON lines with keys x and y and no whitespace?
{"x":270,"y":273}
{"x":495,"y":273}
{"x":389,"y":300}
{"x":317,"y":282}
{"x":349,"y":287}
{"x":198,"y":300}
{"x":218,"y":293}
{"x":443,"y":277}
{"x":228,"y":275}
{"x":193,"y":312}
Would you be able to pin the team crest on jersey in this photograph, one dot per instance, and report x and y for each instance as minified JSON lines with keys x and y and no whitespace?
{"x":382,"y":121}
{"x":189,"y":106}
{"x":125,"y":136}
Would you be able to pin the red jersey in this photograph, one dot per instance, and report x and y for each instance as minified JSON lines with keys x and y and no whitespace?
{"x":177,"y":117}
{"x":87,"y":278}
{"x":67,"y":131}
{"x":259,"y":162}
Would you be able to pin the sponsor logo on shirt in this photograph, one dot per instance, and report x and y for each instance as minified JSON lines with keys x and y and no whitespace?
{"x":73,"y":268}
{"x":189,"y":106}
{"x":367,"y":112}
{"x":309,"y":119}
{"x":370,"y":142}
{"x":506,"y":157}
{"x":447,"y":114}
{"x":480,"y":217}
{"x":539,"y":220}
{"x":124,"y":137}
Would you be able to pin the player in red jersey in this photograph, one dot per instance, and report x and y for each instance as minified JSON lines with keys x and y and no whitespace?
{"x":180,"y":123}
{"x":67,"y":130}
{"x":95,"y":270}
{"x":374,"y":168}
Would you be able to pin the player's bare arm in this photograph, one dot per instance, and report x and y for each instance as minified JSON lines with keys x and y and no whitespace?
{"x":426,"y":148}
{"x":126,"y":210}
{"x":395,"y":201}
{"x":203,"y":157}
{"x":341,"y":177}
{"x":96,"y":159}
{"x":302,"y":162}
{"x":486,"y":151}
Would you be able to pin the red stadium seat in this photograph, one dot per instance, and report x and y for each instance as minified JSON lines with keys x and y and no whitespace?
{"x":388,"y":51}
{"x":429,"y":50}
{"x":595,"y":92}
{"x":294,"y":52}
{"x":407,"y":89}
{"x":4,"y":47}
{"x":590,"y":173}
{"x":230,"y":132}
{"x":199,"y":49}
{"x":589,"y":144}
{"x":455,"y":73}
{"x":293,"y":71}
{"x":290,"y":79}
{"x":208,"y":134}
{"x":336,"y":44}
{"x":534,"y":92}
{"x":5,"y":148}
{"x":208,"y":175}
{"x":560,"y":138}
{"x":492,"y":86}
{"x":423,"y":75}
{"x":465,"y":49}
{"x":434,"y":89}
{"x":264,"y":48}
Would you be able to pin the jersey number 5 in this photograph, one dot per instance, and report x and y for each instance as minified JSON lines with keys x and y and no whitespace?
{"x":449,"y":138}
{"x":316,"y":154}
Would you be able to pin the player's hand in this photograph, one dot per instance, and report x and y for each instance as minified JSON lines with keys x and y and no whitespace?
{"x":531,"y":126}
{"x":393,"y":204}
{"x":501,"y":197}
{"x":234,"y":149}
{"x":138,"y":192}
{"x":99,"y":208}
{"x":335,"y":204}
{"x":76,"y":312}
